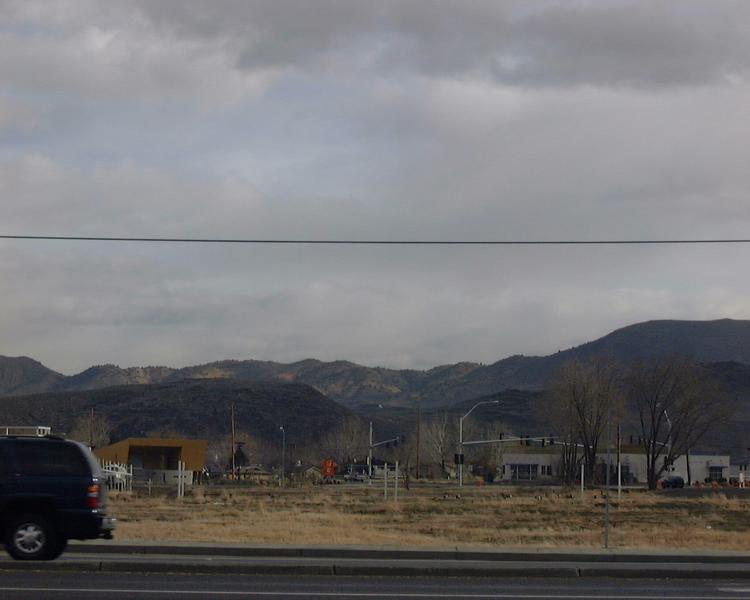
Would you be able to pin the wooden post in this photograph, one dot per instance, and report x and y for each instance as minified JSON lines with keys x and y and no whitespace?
{"x":234,"y":465}
{"x":385,"y":481}
{"x":419,"y":432}
{"x":395,"y":487}
{"x":91,"y":429}
{"x":582,"y":477}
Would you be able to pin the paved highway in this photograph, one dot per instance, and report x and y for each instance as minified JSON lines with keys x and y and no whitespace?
{"x":15,"y":585}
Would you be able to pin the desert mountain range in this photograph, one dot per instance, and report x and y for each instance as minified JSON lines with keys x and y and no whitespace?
{"x":357,"y":387}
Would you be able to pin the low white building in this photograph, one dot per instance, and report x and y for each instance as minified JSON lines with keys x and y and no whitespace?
{"x":703,"y":467}
{"x":543,"y":464}
{"x":531,"y":466}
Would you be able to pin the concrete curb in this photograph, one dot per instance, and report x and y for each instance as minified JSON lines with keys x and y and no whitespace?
{"x":394,"y":570}
{"x":240,"y":551}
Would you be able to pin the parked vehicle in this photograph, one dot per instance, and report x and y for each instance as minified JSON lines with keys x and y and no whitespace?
{"x":51,"y":490}
{"x":673,"y":481}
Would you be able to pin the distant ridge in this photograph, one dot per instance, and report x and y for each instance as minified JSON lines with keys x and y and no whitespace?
{"x":356,"y":386}
{"x":23,"y":375}
{"x":194,"y":408}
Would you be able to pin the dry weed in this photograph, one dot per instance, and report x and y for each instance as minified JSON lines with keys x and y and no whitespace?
{"x":476,"y":517}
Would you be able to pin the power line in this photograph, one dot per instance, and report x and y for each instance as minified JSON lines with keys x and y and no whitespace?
{"x":376,"y":242}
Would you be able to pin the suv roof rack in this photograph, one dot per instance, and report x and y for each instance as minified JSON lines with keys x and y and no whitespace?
{"x":26,"y":431}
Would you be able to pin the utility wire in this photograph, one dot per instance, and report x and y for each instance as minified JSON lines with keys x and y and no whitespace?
{"x":376,"y":242}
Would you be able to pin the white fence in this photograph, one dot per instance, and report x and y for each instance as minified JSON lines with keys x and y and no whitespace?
{"x":119,"y":477}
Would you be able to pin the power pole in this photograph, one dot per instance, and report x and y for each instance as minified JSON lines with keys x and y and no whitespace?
{"x":606,"y":478}
{"x":91,"y":429}
{"x":283,"y":455}
{"x":419,"y":431}
{"x":619,"y":462}
{"x":234,"y":464}
{"x":369,"y":457}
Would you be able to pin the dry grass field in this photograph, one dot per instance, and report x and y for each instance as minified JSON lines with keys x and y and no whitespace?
{"x":436,"y":517}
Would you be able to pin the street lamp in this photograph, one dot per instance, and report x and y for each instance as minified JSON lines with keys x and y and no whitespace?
{"x":461,"y":439}
{"x":283,"y":455}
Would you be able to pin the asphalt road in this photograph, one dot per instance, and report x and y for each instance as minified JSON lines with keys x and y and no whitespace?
{"x":56,"y":585}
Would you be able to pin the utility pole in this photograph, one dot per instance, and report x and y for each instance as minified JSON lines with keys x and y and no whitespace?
{"x":369,"y":457}
{"x":283,"y":455}
{"x":91,"y":429}
{"x":419,"y":430}
{"x":606,"y":478}
{"x":619,"y":462}
{"x":670,"y":468}
{"x":234,"y":464}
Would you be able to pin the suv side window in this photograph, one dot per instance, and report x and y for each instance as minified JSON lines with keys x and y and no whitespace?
{"x":50,"y":459}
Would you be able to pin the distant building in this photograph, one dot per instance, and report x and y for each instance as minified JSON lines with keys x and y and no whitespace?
{"x":156,"y":459}
{"x":522,"y":463}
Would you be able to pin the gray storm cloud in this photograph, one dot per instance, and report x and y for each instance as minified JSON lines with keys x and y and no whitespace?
{"x":443,"y":120}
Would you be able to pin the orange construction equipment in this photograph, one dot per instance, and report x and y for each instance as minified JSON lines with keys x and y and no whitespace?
{"x":328,"y":468}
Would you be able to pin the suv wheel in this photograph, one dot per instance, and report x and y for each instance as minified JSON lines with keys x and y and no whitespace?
{"x":31,"y":537}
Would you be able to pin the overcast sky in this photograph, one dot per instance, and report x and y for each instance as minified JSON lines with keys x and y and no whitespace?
{"x":432,"y":119}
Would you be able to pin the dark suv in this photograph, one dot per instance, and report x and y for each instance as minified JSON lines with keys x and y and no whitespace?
{"x":51,"y":490}
{"x":673,"y":482}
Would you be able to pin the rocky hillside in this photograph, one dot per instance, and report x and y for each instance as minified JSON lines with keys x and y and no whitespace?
{"x":22,"y":375}
{"x":358,"y":386}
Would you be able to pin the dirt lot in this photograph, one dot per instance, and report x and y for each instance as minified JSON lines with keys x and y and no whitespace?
{"x":437,"y":516}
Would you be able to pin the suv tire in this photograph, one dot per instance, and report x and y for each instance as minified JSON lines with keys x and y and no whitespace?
{"x":31,"y":537}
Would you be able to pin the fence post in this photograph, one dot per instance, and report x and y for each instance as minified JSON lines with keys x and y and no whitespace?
{"x":582,"y":476}
{"x":385,"y":481}
{"x":395,"y":487}
{"x":179,"y":479}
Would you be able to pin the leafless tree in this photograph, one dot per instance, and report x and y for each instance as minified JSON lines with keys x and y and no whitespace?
{"x":583,"y":397}
{"x":488,"y":456}
{"x":677,"y":404}
{"x":491,"y":455}
{"x":168,"y":433}
{"x":219,"y":452}
{"x":346,"y":442}
{"x":439,"y":440}
{"x":92,"y":429}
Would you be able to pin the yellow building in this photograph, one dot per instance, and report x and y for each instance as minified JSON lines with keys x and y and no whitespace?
{"x":158,"y":454}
